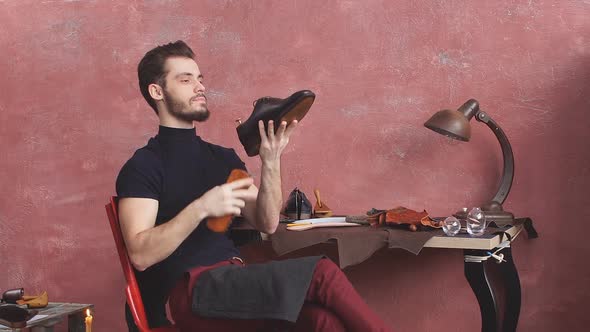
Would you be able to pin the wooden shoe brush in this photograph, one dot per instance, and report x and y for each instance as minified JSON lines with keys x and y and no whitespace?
{"x":320,"y":210}
{"x":221,"y":224}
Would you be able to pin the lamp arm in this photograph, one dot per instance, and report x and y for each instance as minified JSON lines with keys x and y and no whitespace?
{"x":508,"y":172}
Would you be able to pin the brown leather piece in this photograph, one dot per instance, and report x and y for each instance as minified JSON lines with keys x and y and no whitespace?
{"x":35,"y":301}
{"x":401,"y":216}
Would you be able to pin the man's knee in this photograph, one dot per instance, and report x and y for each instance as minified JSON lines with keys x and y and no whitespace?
{"x":317,"y":318}
{"x":325,"y":267}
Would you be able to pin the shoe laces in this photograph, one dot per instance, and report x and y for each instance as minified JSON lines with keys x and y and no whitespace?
{"x":259,"y":99}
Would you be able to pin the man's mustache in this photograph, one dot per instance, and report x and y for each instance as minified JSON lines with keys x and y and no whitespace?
{"x":198,"y":96}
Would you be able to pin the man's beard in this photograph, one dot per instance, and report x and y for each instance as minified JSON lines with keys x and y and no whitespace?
{"x":177,"y":109}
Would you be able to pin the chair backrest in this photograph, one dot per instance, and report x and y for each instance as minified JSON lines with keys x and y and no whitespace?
{"x":132,"y":290}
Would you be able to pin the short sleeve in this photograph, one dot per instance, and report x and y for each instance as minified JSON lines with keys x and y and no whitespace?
{"x":140,"y":177}
{"x":234,"y":160}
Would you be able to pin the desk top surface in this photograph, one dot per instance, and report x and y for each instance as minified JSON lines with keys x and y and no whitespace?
{"x":487,"y":241}
{"x":355,"y":244}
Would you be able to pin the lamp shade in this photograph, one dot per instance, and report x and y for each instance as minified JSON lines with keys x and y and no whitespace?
{"x":450,"y":123}
{"x":454,"y":124}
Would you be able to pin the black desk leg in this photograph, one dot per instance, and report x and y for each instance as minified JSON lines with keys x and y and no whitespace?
{"x":76,"y":322}
{"x":476,"y":276}
{"x":512,"y":286}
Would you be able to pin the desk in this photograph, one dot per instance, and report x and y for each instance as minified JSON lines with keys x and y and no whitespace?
{"x":356,"y":244}
{"x":56,"y":312}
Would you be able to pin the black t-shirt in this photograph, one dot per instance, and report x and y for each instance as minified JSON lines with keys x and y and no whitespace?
{"x":175,"y":168}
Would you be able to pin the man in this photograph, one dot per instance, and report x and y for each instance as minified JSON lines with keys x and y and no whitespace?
{"x":171,"y":186}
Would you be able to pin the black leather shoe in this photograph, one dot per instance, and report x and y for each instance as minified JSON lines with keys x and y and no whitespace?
{"x":297,"y":205}
{"x":269,"y":108}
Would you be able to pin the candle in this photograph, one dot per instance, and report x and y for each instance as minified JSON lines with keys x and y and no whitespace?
{"x":88,"y":321}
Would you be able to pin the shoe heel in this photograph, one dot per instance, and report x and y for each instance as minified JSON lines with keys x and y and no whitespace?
{"x":251,"y":143}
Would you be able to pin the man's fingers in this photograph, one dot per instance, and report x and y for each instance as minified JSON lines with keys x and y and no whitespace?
{"x":271,"y":129}
{"x":263,"y":137}
{"x":238,"y":203}
{"x":282,"y":128}
{"x":236,"y":211}
{"x":240,"y":184}
{"x":244,"y":194}
{"x":291,"y":128}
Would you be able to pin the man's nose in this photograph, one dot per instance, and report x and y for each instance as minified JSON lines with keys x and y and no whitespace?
{"x":199,"y":87}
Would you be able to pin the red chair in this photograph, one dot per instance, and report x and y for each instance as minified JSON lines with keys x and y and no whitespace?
{"x":132,"y":290}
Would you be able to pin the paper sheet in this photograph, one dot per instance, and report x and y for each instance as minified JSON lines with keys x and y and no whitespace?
{"x":320,"y":220}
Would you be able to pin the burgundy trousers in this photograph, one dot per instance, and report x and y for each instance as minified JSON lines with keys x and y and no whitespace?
{"x":331,"y":304}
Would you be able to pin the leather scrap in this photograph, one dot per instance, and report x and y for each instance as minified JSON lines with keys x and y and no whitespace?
{"x":35,"y":301}
{"x":402,"y":216}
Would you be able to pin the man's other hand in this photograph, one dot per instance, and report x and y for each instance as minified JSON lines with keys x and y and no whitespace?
{"x":227,"y":199}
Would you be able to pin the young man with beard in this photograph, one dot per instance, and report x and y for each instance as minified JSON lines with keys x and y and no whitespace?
{"x":169,"y":188}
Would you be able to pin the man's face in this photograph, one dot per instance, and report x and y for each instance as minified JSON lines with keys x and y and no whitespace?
{"x":184,"y":93}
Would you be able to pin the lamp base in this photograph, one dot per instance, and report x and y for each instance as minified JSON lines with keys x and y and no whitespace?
{"x":493,"y":212}
{"x":496,"y":214}
{"x":501,"y":219}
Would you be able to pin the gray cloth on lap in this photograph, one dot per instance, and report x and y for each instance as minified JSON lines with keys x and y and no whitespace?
{"x":274,"y":290}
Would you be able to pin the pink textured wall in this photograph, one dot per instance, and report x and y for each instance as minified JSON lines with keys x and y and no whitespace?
{"x":71,"y":114}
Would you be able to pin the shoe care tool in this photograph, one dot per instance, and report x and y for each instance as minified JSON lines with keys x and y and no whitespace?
{"x":13,"y":295}
{"x":362,"y":219}
{"x":305,"y":224}
{"x":269,"y":108}
{"x":221,"y":224}
{"x":320,"y":210}
{"x":14,"y":316}
{"x":34,"y":301}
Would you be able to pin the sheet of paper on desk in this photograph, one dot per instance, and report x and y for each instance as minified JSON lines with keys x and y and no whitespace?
{"x":37,"y":317}
{"x":304,"y":227}
{"x":320,"y":220}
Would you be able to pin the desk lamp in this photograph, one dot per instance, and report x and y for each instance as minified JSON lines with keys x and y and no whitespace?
{"x":455,"y":124}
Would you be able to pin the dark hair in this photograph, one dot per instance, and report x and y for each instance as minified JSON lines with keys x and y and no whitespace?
{"x":151,"y":67}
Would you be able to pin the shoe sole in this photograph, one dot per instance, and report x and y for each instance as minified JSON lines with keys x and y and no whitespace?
{"x":299,"y":111}
{"x":296,"y":113}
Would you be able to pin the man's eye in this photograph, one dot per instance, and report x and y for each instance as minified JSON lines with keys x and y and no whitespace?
{"x":184,"y":81}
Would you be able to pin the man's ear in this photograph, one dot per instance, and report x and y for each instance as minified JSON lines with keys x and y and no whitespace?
{"x":156,"y":91}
